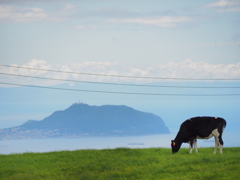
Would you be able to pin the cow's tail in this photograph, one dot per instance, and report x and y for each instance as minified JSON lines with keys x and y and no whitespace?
{"x":224,"y":124}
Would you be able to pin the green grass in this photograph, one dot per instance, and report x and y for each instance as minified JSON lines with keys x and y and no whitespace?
{"x":123,"y":163}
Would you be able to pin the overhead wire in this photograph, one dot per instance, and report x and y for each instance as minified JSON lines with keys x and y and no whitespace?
{"x":119,"y":84}
{"x":107,"y":83}
{"x":116,"y":92}
{"x":122,"y":76}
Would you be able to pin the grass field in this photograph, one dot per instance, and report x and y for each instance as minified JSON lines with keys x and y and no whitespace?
{"x":123,"y":163}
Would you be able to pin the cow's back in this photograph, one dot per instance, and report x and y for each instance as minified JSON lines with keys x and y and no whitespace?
{"x":204,"y":126}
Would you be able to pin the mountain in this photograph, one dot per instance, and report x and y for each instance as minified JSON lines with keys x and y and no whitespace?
{"x":84,"y":120}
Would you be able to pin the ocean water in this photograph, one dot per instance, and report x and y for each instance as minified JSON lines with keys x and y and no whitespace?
{"x":61,"y":144}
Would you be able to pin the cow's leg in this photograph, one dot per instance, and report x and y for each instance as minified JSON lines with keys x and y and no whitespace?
{"x":216,"y":134}
{"x":220,"y":140}
{"x":195,"y":145}
{"x":216,"y":144}
{"x":220,"y":143}
{"x":190,"y":146}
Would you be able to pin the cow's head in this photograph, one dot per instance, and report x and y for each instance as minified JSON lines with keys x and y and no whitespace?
{"x":175,"y":146}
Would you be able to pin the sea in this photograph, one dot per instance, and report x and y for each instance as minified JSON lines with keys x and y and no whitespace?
{"x":19,"y":146}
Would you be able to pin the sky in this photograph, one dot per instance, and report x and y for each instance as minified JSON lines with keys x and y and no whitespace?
{"x":141,"y":32}
{"x":143,"y":38}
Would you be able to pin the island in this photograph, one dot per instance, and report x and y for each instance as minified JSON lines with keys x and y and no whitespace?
{"x":81,"y":120}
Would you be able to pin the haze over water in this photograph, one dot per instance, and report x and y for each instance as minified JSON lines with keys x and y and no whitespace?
{"x":62,"y":144}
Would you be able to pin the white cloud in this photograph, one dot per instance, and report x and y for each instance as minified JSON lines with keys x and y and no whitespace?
{"x":165,"y":22}
{"x":35,"y":9}
{"x":25,"y":1}
{"x":225,"y":6}
{"x":27,"y":14}
{"x":221,"y":3}
{"x":8,"y":13}
{"x":202,"y":70}
{"x":183,"y":69}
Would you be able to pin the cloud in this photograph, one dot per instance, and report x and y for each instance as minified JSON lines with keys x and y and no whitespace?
{"x":24,"y":15}
{"x":30,"y":14}
{"x":223,"y":3}
{"x":35,"y":14}
{"x":27,"y":1}
{"x":225,"y":6}
{"x":114,"y":13}
{"x":183,"y":69}
{"x":165,"y":22}
{"x":201,"y":70}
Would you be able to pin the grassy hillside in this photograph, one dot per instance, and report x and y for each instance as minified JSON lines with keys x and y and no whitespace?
{"x":122,"y":163}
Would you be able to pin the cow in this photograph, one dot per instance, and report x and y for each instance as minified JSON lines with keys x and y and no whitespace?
{"x":199,"y":128}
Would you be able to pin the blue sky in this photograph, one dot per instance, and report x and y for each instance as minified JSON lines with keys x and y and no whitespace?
{"x":183,"y":39}
{"x":130,"y":32}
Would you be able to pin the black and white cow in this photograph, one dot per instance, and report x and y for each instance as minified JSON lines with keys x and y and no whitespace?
{"x":199,"y":128}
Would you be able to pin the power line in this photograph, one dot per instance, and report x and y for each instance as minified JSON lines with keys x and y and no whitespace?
{"x":121,"y":76}
{"x":114,"y":92}
{"x":119,"y":84}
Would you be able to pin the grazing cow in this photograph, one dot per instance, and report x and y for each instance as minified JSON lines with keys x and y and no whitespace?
{"x":199,"y":128}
